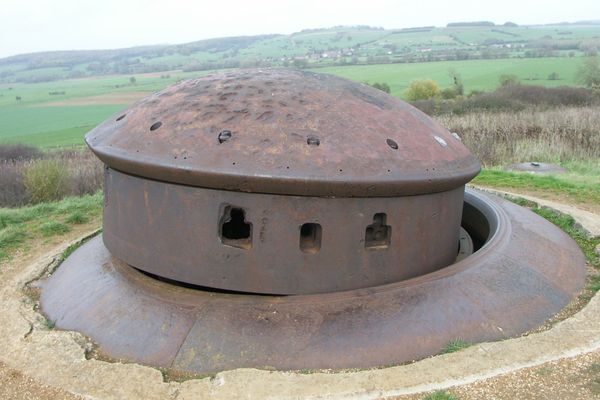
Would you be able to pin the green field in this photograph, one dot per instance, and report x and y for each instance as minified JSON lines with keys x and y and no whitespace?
{"x":476,"y":74}
{"x":40,"y":119}
{"x":36,"y":120}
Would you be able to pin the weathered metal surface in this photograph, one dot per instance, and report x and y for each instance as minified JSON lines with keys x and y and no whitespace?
{"x":526,"y":272}
{"x":173,"y":231}
{"x":284,"y":132}
{"x":287,"y":182}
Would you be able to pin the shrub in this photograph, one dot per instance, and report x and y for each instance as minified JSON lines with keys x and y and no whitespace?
{"x":589,"y":72}
{"x":382,"y":86}
{"x":556,"y":135}
{"x":539,"y":95}
{"x":553,"y":76}
{"x":429,"y":106}
{"x":422,"y":90}
{"x":513,"y":98}
{"x":77,"y":218}
{"x":488,"y":102}
{"x":455,"y":345}
{"x":86,"y":178}
{"x":475,"y":93}
{"x":82,"y":171}
{"x":17,"y":152}
{"x":449,"y":93}
{"x":10,"y":237}
{"x":440,"y":395}
{"x":46,"y":180}
{"x":13,"y":192}
{"x":508,"y":80}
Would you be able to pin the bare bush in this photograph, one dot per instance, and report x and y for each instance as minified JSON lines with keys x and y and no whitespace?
{"x":64,"y":172}
{"x":557,"y":135}
{"x":13,"y":192}
{"x":85,"y":172}
{"x":16,"y":152}
{"x":46,"y":180}
{"x":512,"y":98}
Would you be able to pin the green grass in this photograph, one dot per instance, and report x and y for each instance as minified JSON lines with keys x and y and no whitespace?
{"x":52,"y":228}
{"x":62,"y":138}
{"x":44,"y":220}
{"x":47,"y":126}
{"x":90,"y":204}
{"x":581,"y":187}
{"x":77,"y":218}
{"x":38,"y":93}
{"x":10,"y":238}
{"x":476,"y":74}
{"x":586,"y":243}
{"x":440,"y":395}
{"x":455,"y":345}
{"x":569,"y":226}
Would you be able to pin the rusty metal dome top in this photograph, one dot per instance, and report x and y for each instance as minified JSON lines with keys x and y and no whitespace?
{"x":284,"y":131}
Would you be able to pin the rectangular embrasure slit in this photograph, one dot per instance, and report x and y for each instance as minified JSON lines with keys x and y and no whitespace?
{"x":310,"y":237}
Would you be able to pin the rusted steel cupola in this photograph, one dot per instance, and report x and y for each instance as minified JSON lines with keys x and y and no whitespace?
{"x":281,"y":182}
{"x":291,"y":220}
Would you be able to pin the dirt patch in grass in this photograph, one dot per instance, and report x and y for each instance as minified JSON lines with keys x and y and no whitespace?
{"x":556,"y":196}
{"x":576,"y":378}
{"x":16,"y":386}
{"x":102,"y":99}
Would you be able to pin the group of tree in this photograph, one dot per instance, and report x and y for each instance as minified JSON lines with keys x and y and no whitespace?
{"x":424,"y":89}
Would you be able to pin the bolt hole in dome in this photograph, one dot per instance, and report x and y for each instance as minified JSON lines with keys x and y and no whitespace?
{"x":155,"y":126}
{"x":313,"y":141}
{"x":121,"y":117}
{"x":392,"y":144}
{"x":224,"y":136}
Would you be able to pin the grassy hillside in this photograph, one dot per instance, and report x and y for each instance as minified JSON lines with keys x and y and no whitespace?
{"x":310,"y":48}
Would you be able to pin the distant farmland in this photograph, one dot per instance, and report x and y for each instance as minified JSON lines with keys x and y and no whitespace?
{"x":55,"y":120}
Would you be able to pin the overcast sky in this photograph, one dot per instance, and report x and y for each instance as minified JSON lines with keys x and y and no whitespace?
{"x":39,"y":25}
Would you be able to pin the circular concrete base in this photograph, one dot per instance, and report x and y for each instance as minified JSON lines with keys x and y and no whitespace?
{"x":527,"y":271}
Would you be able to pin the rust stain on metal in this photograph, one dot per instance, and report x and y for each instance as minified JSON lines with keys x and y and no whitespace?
{"x":270,"y":115}
{"x":321,"y":156}
{"x":515,"y":282}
